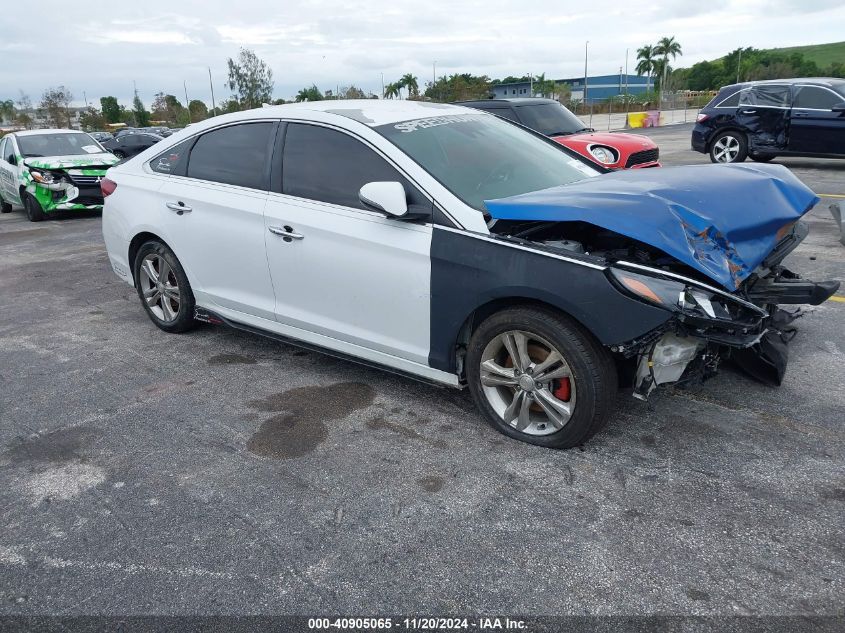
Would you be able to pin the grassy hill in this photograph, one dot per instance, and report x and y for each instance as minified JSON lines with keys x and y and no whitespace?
{"x":823,"y":54}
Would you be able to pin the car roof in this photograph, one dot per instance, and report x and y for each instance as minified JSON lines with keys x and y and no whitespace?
{"x":517,"y":101}
{"x":370,"y":112}
{"x":51,"y":131}
{"x":817,"y":81}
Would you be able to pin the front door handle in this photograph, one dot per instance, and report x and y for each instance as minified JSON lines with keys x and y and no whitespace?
{"x":748,"y":111}
{"x":286,"y":232}
{"x":179,"y":207}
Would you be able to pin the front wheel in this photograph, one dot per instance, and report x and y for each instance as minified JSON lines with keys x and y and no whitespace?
{"x":729,"y":147}
{"x":163,"y":288}
{"x":33,"y":208}
{"x":540,"y":378}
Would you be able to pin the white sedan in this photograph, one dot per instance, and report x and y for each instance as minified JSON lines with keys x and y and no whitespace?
{"x":366,"y":229}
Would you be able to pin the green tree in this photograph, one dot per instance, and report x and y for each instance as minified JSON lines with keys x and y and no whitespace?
{"x":8,"y":111}
{"x":351,"y":92}
{"x":645,"y":63}
{"x":459,"y":87}
{"x":166,"y":108}
{"x":544,"y":87}
{"x":392,"y":90}
{"x":55,"y":102}
{"x":312,"y":93}
{"x":409,"y":82}
{"x":198,"y":110}
{"x":91,"y":120}
{"x":667,"y":47}
{"x":110,"y":109}
{"x":141,"y":116}
{"x":251,"y":79}
{"x":24,"y":108}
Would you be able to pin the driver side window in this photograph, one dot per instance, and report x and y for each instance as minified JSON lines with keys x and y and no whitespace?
{"x":8,"y":149}
{"x":322,"y":164}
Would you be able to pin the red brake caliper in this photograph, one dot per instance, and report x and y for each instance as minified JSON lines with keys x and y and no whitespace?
{"x":562,"y":389}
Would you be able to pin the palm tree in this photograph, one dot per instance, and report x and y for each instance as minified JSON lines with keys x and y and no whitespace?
{"x":410,"y":82}
{"x":665,"y":47}
{"x":645,"y":63}
{"x":312,"y":93}
{"x":391,"y":90}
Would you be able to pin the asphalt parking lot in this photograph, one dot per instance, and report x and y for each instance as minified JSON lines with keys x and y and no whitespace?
{"x":221,"y":472}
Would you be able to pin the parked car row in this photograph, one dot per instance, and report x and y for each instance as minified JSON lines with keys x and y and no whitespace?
{"x":456,"y":247}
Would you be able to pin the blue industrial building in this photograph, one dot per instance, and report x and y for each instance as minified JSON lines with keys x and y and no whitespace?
{"x":599,"y":88}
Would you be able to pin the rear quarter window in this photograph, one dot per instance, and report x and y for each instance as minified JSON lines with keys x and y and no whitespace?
{"x":730,"y":101}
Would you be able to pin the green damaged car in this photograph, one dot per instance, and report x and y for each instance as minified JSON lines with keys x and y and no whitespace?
{"x":46,"y":171}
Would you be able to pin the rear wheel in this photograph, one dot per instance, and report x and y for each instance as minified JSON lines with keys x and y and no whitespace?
{"x":163,"y":288}
{"x":729,"y":147}
{"x":540,"y":378}
{"x":33,"y":208}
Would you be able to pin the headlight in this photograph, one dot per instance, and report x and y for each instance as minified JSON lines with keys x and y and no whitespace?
{"x":43,"y":176}
{"x":674,"y":295}
{"x":603,"y":154}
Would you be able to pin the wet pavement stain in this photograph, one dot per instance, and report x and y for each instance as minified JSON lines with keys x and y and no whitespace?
{"x":302,"y":426}
{"x":379,"y":423}
{"x":231,"y":359}
{"x":59,"y":446}
{"x":431,"y":483}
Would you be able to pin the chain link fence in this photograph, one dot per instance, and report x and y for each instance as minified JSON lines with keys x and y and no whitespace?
{"x":613,"y":113}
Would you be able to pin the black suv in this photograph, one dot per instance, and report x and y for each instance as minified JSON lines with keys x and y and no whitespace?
{"x":780,"y":117}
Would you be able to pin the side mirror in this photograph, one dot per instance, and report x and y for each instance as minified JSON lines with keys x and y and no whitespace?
{"x":388,"y":197}
{"x":13,"y":160}
{"x":839,"y":107}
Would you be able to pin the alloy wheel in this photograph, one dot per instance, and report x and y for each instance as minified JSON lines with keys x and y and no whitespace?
{"x":726,"y":149}
{"x":527,"y":382}
{"x":160,"y":287}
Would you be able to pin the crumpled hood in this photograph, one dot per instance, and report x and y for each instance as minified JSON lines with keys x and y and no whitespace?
{"x":64,"y":162}
{"x":722,"y":220}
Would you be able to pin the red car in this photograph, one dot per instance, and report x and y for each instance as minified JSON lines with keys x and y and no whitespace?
{"x":614,"y":150}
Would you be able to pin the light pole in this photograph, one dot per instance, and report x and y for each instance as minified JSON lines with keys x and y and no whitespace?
{"x":586,"y":46}
{"x":211,"y":85}
{"x":382,"y":85}
{"x":738,"y":63}
{"x":433,"y":76}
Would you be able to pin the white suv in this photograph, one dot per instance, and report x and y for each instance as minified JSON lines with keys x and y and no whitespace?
{"x":365,"y":229}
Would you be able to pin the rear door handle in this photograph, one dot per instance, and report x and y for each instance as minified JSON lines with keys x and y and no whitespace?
{"x":748,"y":111}
{"x":179,"y":207}
{"x":286,"y":232}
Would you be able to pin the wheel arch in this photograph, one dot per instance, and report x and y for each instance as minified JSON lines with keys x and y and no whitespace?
{"x":494,"y":306}
{"x":136,"y":243}
{"x":731,"y":127}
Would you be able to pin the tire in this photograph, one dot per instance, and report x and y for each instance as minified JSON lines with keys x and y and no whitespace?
{"x":171,"y":312}
{"x":729,"y":147}
{"x":587,"y":369}
{"x":761,"y":158}
{"x":33,"y":208}
{"x":5,"y":207}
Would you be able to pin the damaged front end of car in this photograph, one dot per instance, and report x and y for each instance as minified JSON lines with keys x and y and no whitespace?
{"x":66,"y":184}
{"x":712,"y":259}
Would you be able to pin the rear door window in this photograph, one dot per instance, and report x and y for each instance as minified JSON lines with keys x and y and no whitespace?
{"x":174,"y":160}
{"x":772,"y":96}
{"x":816,"y":98}
{"x":234,"y":155}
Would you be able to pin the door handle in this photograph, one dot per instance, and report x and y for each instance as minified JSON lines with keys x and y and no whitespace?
{"x":286,"y":232}
{"x":748,"y":111}
{"x":179,"y":207}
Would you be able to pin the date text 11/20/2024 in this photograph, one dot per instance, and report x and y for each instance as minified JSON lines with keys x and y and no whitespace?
{"x":418,"y":624}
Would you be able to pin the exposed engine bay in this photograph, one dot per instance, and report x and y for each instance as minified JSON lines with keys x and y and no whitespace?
{"x":709,"y":325}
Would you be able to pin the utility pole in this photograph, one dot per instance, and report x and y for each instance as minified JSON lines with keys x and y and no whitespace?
{"x":382,"y":85}
{"x":626,"y":72}
{"x":738,"y":65}
{"x":586,"y":46}
{"x":187,"y":103}
{"x":531,"y":80}
{"x":211,"y":85}
{"x":85,"y":96}
{"x":433,"y":76}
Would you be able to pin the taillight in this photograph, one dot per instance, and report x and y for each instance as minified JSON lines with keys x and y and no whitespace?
{"x":702,"y":117}
{"x":107,"y":187}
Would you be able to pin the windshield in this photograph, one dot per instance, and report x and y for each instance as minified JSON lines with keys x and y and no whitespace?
{"x":480,"y":157}
{"x":58,"y":144}
{"x":551,"y":119}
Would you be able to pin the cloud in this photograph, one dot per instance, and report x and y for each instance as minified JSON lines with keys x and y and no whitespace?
{"x":160,"y":44}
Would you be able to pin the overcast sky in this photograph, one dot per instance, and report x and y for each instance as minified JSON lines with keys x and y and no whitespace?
{"x":100,"y":47}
